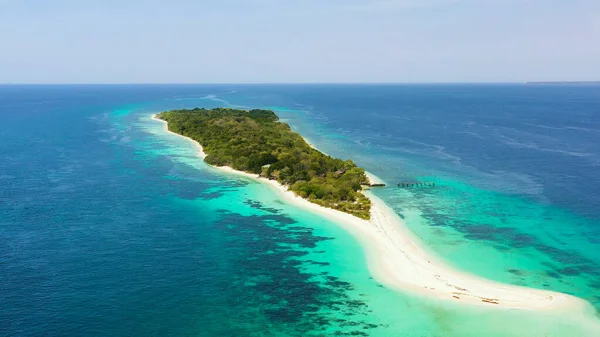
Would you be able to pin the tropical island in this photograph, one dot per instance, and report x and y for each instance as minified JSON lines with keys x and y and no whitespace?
{"x":255,"y":141}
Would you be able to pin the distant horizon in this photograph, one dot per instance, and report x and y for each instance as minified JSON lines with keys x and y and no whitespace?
{"x":303,"y":83}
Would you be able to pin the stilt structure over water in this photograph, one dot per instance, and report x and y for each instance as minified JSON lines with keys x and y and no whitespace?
{"x":416,"y":184}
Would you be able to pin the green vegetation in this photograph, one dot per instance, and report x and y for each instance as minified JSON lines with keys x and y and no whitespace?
{"x":255,"y":141}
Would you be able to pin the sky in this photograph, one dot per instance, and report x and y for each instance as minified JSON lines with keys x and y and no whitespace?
{"x":298,"y":41}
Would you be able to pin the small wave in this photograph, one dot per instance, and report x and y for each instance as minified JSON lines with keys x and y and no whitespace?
{"x":582,"y":129}
{"x":473,"y":134}
{"x":434,"y":151}
{"x":576,"y":128}
{"x":99,"y":118}
{"x":534,"y":146}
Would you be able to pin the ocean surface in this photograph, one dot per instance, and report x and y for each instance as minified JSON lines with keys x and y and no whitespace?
{"x":109,"y":226}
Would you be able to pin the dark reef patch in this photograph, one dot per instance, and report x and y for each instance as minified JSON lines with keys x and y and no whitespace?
{"x":564,"y":263}
{"x":268,"y":252}
{"x":259,"y":205}
{"x":517,"y":272}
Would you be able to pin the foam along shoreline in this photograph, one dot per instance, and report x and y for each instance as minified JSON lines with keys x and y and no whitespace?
{"x":398,"y":259}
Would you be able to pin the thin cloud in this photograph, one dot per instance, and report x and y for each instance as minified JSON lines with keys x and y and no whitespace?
{"x":383,"y":5}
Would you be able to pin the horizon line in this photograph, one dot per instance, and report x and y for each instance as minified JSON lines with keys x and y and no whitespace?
{"x":303,"y":83}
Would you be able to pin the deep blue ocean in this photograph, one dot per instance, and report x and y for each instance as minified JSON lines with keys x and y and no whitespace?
{"x":111,"y":227}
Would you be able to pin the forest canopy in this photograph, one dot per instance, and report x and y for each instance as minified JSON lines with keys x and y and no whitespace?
{"x":256,"y":141}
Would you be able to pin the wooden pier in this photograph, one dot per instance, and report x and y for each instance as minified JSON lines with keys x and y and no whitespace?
{"x":416,"y":184}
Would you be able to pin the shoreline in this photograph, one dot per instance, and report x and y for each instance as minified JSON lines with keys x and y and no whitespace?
{"x":373,"y":179}
{"x":398,"y":259}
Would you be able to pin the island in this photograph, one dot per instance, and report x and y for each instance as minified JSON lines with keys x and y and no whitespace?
{"x":255,"y":141}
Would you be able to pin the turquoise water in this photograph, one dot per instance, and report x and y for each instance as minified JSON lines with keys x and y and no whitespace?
{"x":111,"y":226}
{"x":516,"y":170}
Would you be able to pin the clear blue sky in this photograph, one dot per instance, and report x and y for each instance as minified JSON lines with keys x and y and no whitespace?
{"x":205,"y":41}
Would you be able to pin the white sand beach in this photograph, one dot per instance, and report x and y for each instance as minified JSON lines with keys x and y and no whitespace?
{"x":398,"y":259}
